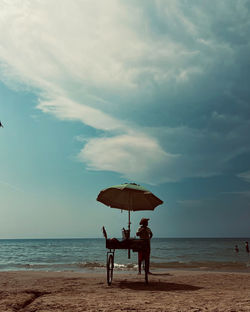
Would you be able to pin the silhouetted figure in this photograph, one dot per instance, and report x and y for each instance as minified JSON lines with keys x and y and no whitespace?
{"x":247,"y":247}
{"x":236,"y":248}
{"x":1,"y":125}
{"x":145,"y":233}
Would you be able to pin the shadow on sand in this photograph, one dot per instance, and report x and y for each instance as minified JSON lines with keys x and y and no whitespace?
{"x":161,"y":274}
{"x":157,"y":286}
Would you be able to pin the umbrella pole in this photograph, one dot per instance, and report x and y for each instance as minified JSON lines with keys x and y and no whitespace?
{"x":129,"y":231}
{"x":129,"y":224}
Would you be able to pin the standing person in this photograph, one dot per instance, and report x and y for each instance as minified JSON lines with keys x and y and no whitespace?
{"x":247,"y":247}
{"x":145,"y":233}
{"x":236,"y":248}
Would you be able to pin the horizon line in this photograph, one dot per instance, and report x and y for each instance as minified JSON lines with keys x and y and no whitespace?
{"x":160,"y":237}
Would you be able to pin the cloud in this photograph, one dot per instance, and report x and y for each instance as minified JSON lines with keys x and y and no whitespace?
{"x":10,"y":186}
{"x":66,"y":109}
{"x":244,"y":176}
{"x":89,"y":43}
{"x":242,"y":193}
{"x":160,"y":81}
{"x":194,"y":203}
{"x":130,"y":155}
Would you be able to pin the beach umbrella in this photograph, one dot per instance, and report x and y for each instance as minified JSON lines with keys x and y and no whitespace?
{"x":129,"y":196}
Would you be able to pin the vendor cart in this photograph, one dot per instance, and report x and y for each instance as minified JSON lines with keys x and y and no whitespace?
{"x":136,"y":245}
{"x":130,"y":197}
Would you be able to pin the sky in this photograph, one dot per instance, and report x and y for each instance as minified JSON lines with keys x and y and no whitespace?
{"x":98,"y":93}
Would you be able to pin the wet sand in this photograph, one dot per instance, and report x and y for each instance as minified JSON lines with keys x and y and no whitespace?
{"x":170,"y":291}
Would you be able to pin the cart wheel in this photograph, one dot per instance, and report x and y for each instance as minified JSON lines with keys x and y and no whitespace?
{"x":146,"y":269}
{"x":110,"y":267}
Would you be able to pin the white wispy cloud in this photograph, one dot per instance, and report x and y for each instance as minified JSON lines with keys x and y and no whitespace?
{"x":10,"y":186}
{"x":244,"y":176}
{"x":92,"y":61}
{"x":239,"y":193}
{"x":66,"y":109}
{"x":89,"y":45}
{"x":130,"y":155}
{"x":192,"y":203}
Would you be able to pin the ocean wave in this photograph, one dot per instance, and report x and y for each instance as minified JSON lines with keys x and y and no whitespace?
{"x":65,"y":266}
{"x":90,"y":265}
{"x":194,"y":265}
{"x":117,"y":266}
{"x":206,"y":265}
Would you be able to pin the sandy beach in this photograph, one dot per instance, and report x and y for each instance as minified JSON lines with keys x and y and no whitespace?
{"x":169,"y":291}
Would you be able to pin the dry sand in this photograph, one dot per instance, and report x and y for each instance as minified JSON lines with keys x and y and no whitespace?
{"x":170,"y":291}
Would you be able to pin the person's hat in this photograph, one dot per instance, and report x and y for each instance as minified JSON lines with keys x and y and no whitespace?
{"x":143,"y":221}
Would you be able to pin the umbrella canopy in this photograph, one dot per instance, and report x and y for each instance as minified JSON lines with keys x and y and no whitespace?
{"x":129,"y":196}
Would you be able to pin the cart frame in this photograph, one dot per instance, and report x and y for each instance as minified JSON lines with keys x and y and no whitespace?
{"x":137,"y":245}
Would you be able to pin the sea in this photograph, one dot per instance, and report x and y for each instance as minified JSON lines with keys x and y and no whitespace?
{"x":88,"y":255}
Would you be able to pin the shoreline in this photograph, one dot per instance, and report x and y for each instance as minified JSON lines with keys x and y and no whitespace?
{"x":95,"y":266}
{"x":224,"y":268}
{"x":169,"y":290}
